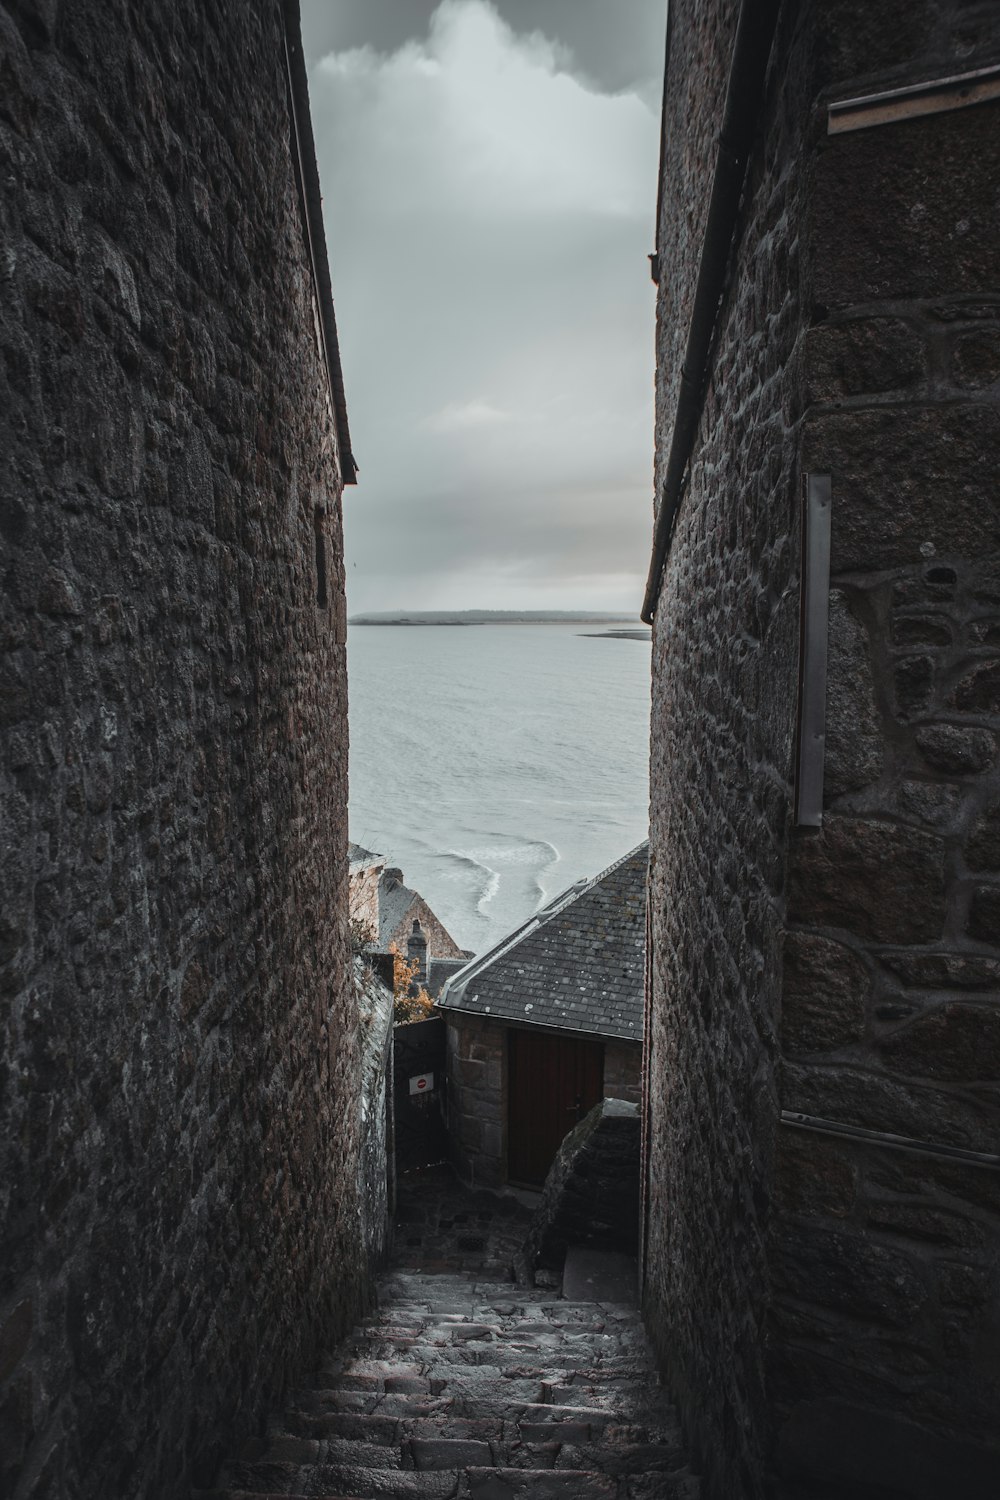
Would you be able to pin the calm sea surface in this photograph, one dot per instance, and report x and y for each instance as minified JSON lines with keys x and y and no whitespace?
{"x":497,"y":764}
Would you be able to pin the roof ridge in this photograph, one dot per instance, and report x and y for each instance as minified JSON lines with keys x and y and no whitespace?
{"x":454,"y":988}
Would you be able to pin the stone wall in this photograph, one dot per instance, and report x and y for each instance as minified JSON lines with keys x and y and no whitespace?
{"x":886,"y":1319}
{"x":179,"y":1115}
{"x":591,"y":1194}
{"x":722,"y":732}
{"x":477,"y":1093}
{"x":376,"y":1156}
{"x":623,"y":1071}
{"x":364,"y":881}
{"x":851,"y":973}
{"x":477,"y":1099}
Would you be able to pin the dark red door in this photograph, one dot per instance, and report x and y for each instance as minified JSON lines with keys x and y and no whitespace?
{"x":552,"y":1082}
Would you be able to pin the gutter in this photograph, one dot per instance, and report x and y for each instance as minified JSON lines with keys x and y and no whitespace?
{"x":307,"y":176}
{"x":751,"y":53}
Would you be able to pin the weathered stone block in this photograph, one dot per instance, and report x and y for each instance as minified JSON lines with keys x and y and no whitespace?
{"x":975,"y":361}
{"x":891,"y":467}
{"x":813,"y":1176}
{"x":912,"y":679}
{"x":944,"y":970}
{"x":860,"y":1095}
{"x":825,"y":993}
{"x":861,"y":356}
{"x":956,"y":749}
{"x":933,"y":232}
{"x":853,"y":735}
{"x":877,"y":880}
{"x":843,"y":1273}
{"x":984,"y":914}
{"x":978,"y":692}
{"x":982,"y":852}
{"x":921,"y":630}
{"x":959,"y":1043}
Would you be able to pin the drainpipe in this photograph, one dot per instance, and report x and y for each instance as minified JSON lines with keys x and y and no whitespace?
{"x":751,"y":51}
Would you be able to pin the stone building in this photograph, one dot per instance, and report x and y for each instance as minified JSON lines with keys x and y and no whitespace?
{"x":364,"y":873}
{"x":179,"y":1116}
{"x":822,"y":1203}
{"x":545,"y":1025}
{"x":399,"y":906}
{"x":382,"y":903}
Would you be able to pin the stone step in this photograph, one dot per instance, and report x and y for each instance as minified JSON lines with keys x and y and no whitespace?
{"x":463,"y":1386}
{"x":332,"y":1479}
{"x":540,"y":1484}
{"x":351,"y":1406}
{"x":433,"y":1444}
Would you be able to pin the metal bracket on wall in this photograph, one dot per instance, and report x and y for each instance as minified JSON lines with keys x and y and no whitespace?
{"x":936,"y":97}
{"x":885,"y":1138}
{"x":814,"y":625}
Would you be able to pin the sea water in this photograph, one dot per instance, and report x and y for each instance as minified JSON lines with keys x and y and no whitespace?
{"x":497,"y":764}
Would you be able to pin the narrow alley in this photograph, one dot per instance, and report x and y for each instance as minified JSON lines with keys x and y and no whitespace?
{"x":463,"y":1383}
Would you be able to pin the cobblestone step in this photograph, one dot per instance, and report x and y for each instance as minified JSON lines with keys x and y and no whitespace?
{"x":463,"y":1386}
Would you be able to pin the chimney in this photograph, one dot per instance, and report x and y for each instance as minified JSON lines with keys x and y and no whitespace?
{"x":416,"y":952}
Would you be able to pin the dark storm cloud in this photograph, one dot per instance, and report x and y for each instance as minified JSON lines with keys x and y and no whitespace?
{"x":488,"y":214}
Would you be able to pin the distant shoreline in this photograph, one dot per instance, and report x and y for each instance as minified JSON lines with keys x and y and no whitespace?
{"x":495,"y":617}
{"x":616,"y":635}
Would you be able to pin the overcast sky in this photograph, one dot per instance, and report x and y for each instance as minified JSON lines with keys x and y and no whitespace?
{"x":489,"y":182}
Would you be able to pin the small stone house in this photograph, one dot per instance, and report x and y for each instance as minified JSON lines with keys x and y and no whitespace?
{"x":545,"y":1025}
{"x":381,"y":901}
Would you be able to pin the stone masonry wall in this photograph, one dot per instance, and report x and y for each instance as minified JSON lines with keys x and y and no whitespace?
{"x":885,"y":1342}
{"x":364,"y":897}
{"x":477,"y":1099}
{"x":724,"y":684}
{"x":477,"y":1094}
{"x":827,"y":1301}
{"x":623,"y":1071}
{"x":179,"y":1124}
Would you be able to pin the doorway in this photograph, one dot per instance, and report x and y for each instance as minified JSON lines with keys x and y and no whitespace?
{"x":552,"y":1082}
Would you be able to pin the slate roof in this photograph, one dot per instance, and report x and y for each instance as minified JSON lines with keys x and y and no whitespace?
{"x":398,"y":906}
{"x":578,"y":965}
{"x":360,"y":859}
{"x":441,"y":969}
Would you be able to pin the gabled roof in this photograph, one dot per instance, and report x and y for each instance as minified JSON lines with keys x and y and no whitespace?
{"x":578,"y":965}
{"x":363,"y":859}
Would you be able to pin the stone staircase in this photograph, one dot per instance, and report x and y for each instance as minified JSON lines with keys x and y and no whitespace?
{"x":467,"y":1387}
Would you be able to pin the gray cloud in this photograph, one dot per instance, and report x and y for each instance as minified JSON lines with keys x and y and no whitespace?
{"x":615,"y":46}
{"x":488,"y":215}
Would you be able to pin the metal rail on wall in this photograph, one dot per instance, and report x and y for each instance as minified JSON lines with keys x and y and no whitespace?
{"x":937,"y":96}
{"x":884,"y":1138}
{"x":814,"y":630}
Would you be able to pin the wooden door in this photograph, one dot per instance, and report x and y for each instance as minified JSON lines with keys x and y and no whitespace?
{"x":552,"y":1082}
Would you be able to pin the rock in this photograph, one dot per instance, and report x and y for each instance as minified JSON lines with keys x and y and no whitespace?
{"x":975,"y":361}
{"x":853,"y":736}
{"x":866,"y":355}
{"x":874,"y":879}
{"x":850,"y":1276}
{"x":984,"y":914}
{"x":912,"y":682}
{"x":979,"y":690}
{"x":955,"y":749}
{"x":958,"y":1043}
{"x":824,"y":995}
{"x":591,"y":1195}
{"x":933,"y":971}
{"x":982,"y":852}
